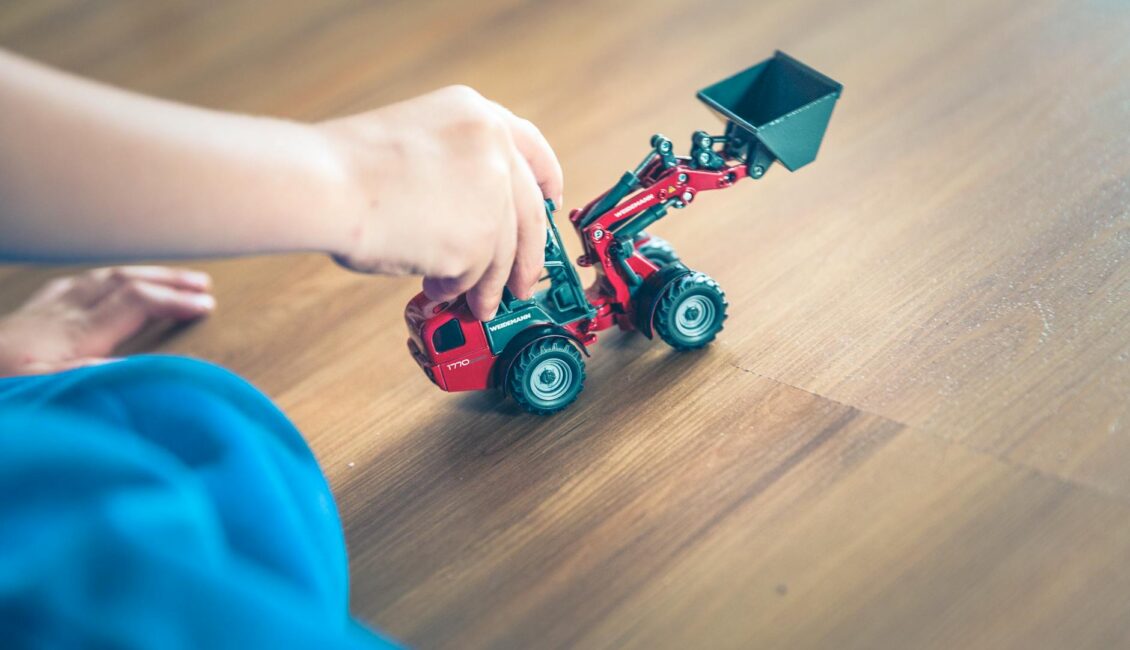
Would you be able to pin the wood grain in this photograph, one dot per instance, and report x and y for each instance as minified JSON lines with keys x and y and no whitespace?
{"x":914,"y":431}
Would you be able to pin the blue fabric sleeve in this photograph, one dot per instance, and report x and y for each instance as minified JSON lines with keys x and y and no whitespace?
{"x":164,"y":502}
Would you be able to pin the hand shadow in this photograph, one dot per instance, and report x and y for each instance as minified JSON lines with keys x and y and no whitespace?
{"x":153,"y":336}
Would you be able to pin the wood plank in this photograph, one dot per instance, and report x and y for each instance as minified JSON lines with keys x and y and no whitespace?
{"x":616,"y":504}
{"x":913,"y":431}
{"x":923,"y":545}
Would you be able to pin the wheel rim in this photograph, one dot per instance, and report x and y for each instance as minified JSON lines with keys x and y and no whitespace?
{"x":550,"y":380}
{"x":694,"y":317}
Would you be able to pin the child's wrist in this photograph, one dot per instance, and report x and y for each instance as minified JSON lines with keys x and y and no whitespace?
{"x":353,"y":170}
{"x":329,"y":215}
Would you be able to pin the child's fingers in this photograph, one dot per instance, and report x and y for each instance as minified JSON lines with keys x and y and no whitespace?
{"x":121,"y":314}
{"x":90,"y":287}
{"x":529,"y":254}
{"x":483,"y":298}
{"x":172,"y":276}
{"x":537,"y":153}
{"x":444,"y":289}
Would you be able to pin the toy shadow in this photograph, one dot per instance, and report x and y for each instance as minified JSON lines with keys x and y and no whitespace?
{"x":494,"y":423}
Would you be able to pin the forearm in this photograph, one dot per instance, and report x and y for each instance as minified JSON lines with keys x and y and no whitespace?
{"x":92,"y":172}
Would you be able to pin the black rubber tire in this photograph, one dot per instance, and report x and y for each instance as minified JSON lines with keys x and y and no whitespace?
{"x":547,"y":376}
{"x":659,"y":252}
{"x":691,"y":311}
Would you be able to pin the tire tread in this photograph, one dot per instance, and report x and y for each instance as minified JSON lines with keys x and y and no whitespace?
{"x":515,"y":380}
{"x":670,"y":299}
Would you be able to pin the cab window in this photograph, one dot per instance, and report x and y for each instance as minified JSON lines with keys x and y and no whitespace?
{"x":448,"y":336}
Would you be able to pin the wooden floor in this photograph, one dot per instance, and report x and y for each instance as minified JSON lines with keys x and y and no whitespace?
{"x":915,"y":430}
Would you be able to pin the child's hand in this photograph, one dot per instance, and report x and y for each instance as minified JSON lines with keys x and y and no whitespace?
{"x":449,"y":185}
{"x":79,"y":320}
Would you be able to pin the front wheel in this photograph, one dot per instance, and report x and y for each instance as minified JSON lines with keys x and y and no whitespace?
{"x":547,"y":376}
{"x":690,"y":312}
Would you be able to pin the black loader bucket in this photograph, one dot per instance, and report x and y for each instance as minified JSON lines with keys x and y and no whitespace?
{"x":781,"y":103}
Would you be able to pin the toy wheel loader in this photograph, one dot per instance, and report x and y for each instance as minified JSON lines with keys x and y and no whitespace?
{"x":534,"y":350}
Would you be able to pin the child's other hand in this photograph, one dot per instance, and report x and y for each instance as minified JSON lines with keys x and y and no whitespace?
{"x":79,"y":320}
{"x":450,"y":186}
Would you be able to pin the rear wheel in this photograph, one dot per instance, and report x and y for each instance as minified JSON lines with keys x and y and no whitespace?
{"x":547,"y":376}
{"x":658,"y":251}
{"x":690,"y":312}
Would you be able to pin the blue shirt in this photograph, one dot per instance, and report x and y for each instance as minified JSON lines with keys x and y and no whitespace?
{"x":164,"y":502}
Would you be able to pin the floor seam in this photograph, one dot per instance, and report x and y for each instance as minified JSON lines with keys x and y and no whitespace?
{"x":818,"y":395}
{"x":1008,"y":462}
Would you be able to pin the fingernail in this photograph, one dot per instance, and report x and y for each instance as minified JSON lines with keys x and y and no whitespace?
{"x":198,"y":278}
{"x":206,"y":301}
